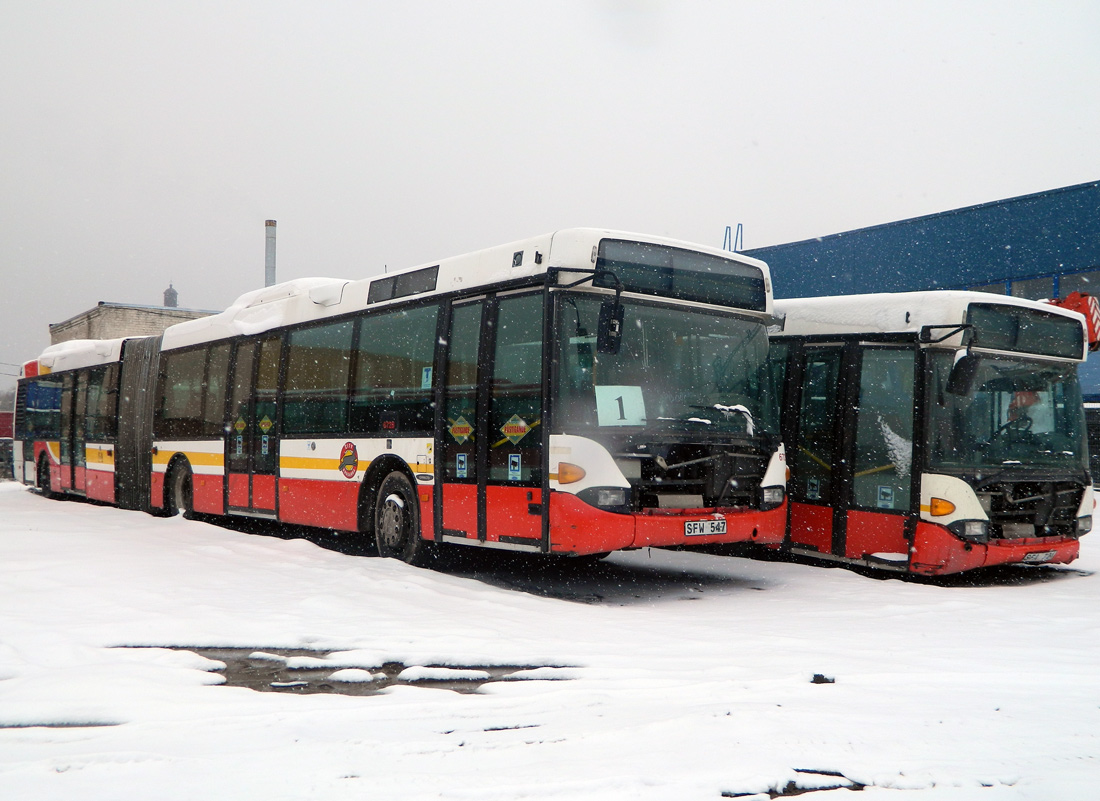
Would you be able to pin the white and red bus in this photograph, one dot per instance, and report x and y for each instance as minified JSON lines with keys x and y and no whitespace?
{"x":577,"y":393}
{"x":78,"y":420}
{"x":934,"y":432}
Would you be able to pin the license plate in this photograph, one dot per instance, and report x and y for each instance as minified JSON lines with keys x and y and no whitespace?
{"x":1041,"y":556}
{"x":704,"y":528}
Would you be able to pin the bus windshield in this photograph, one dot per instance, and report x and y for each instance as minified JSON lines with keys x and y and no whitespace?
{"x":1019,"y":413}
{"x":685,"y":370}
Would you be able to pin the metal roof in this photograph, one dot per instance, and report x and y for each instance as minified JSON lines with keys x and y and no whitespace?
{"x":1052,"y":232}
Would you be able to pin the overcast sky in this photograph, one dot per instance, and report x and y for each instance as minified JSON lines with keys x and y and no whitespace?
{"x":146,"y":142}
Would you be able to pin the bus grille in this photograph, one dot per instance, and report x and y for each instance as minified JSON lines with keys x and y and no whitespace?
{"x":1024,"y":509}
{"x":700,"y":476}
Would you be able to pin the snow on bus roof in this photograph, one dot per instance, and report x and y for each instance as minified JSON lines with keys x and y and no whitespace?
{"x":308,"y":299}
{"x":891,"y":312}
{"x":80,"y":353}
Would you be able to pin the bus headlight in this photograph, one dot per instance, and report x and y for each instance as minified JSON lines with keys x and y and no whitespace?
{"x":609,"y":499}
{"x":1084,"y":525}
{"x":615,"y":496}
{"x":771,"y":497}
{"x":970,"y":530}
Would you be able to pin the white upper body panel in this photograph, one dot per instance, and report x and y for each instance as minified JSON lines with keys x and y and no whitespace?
{"x":895,"y":312}
{"x":77,"y":353}
{"x":308,"y":299}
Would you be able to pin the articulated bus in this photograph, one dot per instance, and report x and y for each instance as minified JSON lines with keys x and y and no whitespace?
{"x":933,"y":432}
{"x":575,"y":394}
{"x":77,"y":420}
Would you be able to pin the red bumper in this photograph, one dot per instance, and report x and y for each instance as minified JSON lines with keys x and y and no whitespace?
{"x":576,"y":527}
{"x":936,"y":551}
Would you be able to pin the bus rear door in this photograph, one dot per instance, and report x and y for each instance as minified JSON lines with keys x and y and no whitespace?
{"x":74,"y":400}
{"x":251,"y":445}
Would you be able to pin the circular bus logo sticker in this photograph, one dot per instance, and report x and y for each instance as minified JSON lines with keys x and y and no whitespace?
{"x":349,"y":460}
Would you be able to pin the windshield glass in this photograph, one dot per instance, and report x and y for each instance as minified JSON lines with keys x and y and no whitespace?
{"x":678,"y":368}
{"x":1018,"y":413}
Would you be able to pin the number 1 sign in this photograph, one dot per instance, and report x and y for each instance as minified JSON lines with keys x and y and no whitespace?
{"x":620,"y":406}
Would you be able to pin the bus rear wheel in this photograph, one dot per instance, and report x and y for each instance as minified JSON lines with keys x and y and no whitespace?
{"x":397,"y":521}
{"x":179,"y":500}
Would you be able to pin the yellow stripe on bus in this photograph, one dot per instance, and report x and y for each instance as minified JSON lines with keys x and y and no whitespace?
{"x":99,"y":454}
{"x":194,"y":457}
{"x":312,"y":463}
{"x":319,"y":463}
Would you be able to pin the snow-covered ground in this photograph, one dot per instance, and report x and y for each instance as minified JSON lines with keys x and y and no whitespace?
{"x":663,"y":675}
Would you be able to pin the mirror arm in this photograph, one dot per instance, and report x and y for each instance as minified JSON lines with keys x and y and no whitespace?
{"x":553,"y":272}
{"x":966,"y":329}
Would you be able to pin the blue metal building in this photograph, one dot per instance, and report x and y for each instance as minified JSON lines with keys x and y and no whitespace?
{"x":1038,"y":246}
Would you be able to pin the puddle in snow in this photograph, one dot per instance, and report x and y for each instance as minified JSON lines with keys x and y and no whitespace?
{"x":815,"y":781}
{"x":304,"y":671}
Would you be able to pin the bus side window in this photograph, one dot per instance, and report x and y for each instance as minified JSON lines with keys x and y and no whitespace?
{"x":43,"y":417}
{"x":393,"y":372}
{"x":102,"y":403}
{"x":318,"y":366}
{"x":884,"y":430}
{"x":213,"y":404}
{"x":179,"y":400}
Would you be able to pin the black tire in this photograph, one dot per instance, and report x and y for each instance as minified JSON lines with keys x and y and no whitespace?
{"x":42,"y":478}
{"x":178,"y":497}
{"x":397,"y":521}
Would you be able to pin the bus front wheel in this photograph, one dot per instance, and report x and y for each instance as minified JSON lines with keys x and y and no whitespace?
{"x":397,"y":521}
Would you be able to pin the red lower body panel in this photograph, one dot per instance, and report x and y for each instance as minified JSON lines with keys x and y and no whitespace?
{"x":206,"y":494}
{"x":513,"y":513}
{"x":460,"y":510}
{"x":812,"y":526}
{"x":326,"y":504}
{"x":427,"y":524}
{"x":238,"y":491}
{"x":100,"y":485}
{"x":156,"y":491}
{"x":874,"y":532}
{"x":263,"y":493}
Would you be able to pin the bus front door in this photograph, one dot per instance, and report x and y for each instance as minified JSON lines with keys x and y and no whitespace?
{"x":490,"y":445}
{"x":817,"y":464}
{"x":251,"y":445}
{"x":882,"y":456}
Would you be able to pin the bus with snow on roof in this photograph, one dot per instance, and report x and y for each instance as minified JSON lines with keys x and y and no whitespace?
{"x":577,"y":393}
{"x":933,"y":432}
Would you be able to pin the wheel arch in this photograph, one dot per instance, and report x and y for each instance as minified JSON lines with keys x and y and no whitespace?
{"x":372,"y":481}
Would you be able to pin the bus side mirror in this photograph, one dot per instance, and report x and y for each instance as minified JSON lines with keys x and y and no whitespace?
{"x":963,"y":373}
{"x":609,"y":333}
